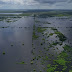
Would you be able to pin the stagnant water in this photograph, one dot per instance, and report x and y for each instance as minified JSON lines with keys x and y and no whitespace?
{"x":16,"y":42}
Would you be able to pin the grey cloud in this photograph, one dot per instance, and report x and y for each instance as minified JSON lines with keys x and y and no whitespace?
{"x":1,"y":2}
{"x":70,"y":1}
{"x":50,"y":1}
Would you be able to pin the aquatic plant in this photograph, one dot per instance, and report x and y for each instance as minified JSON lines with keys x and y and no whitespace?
{"x":23,"y":44}
{"x":21,"y":62}
{"x":41,"y":43}
{"x":70,"y":70}
{"x":11,"y":45}
{"x":34,"y":35}
{"x":61,"y":61}
{"x":60,"y":35}
{"x":34,"y":69}
{"x":39,"y":29}
{"x":51,"y":34}
{"x":51,"y":68}
{"x":55,"y":43}
{"x":37,"y":21}
{"x":43,"y":39}
{"x":3,"y":53}
{"x":67,"y":48}
{"x":31,"y":62}
{"x":9,"y":21}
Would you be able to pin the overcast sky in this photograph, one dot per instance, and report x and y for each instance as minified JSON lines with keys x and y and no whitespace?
{"x":35,"y":4}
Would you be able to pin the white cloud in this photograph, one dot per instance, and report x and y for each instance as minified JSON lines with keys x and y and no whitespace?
{"x":21,"y":2}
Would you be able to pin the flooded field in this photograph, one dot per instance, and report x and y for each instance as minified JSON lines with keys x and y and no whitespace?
{"x":29,"y":44}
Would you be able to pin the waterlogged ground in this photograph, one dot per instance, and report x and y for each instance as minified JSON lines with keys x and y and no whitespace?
{"x":36,"y":45}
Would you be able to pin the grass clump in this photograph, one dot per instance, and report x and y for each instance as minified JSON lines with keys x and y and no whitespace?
{"x":55,"y":43}
{"x":21,"y":62}
{"x":43,"y":39}
{"x":54,"y":29}
{"x":35,"y":36}
{"x":39,"y":29}
{"x":51,"y":34}
{"x":11,"y":45}
{"x":23,"y":44}
{"x":61,"y":36}
{"x":62,"y":55}
{"x":70,"y":70}
{"x":37,"y":21}
{"x":51,"y":68}
{"x":32,"y":62}
{"x":3,"y":53}
{"x":9,"y":21}
{"x":60,"y":61}
{"x":67,"y":48}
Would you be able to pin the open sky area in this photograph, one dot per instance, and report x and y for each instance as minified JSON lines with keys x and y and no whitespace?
{"x":35,"y":4}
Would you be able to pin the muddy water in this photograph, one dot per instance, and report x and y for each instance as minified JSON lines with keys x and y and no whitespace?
{"x":16,"y":42}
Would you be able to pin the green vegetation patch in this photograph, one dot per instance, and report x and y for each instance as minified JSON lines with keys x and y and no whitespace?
{"x":62,"y":55}
{"x":55,"y":43}
{"x":37,"y":21}
{"x":67,"y":48}
{"x":70,"y":70}
{"x":60,"y":35}
{"x":34,"y":34}
{"x":3,"y":53}
{"x":21,"y":62}
{"x":51,"y":68}
{"x":61,"y":61}
{"x":39,"y":29}
{"x":9,"y":21}
{"x":51,"y":34}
